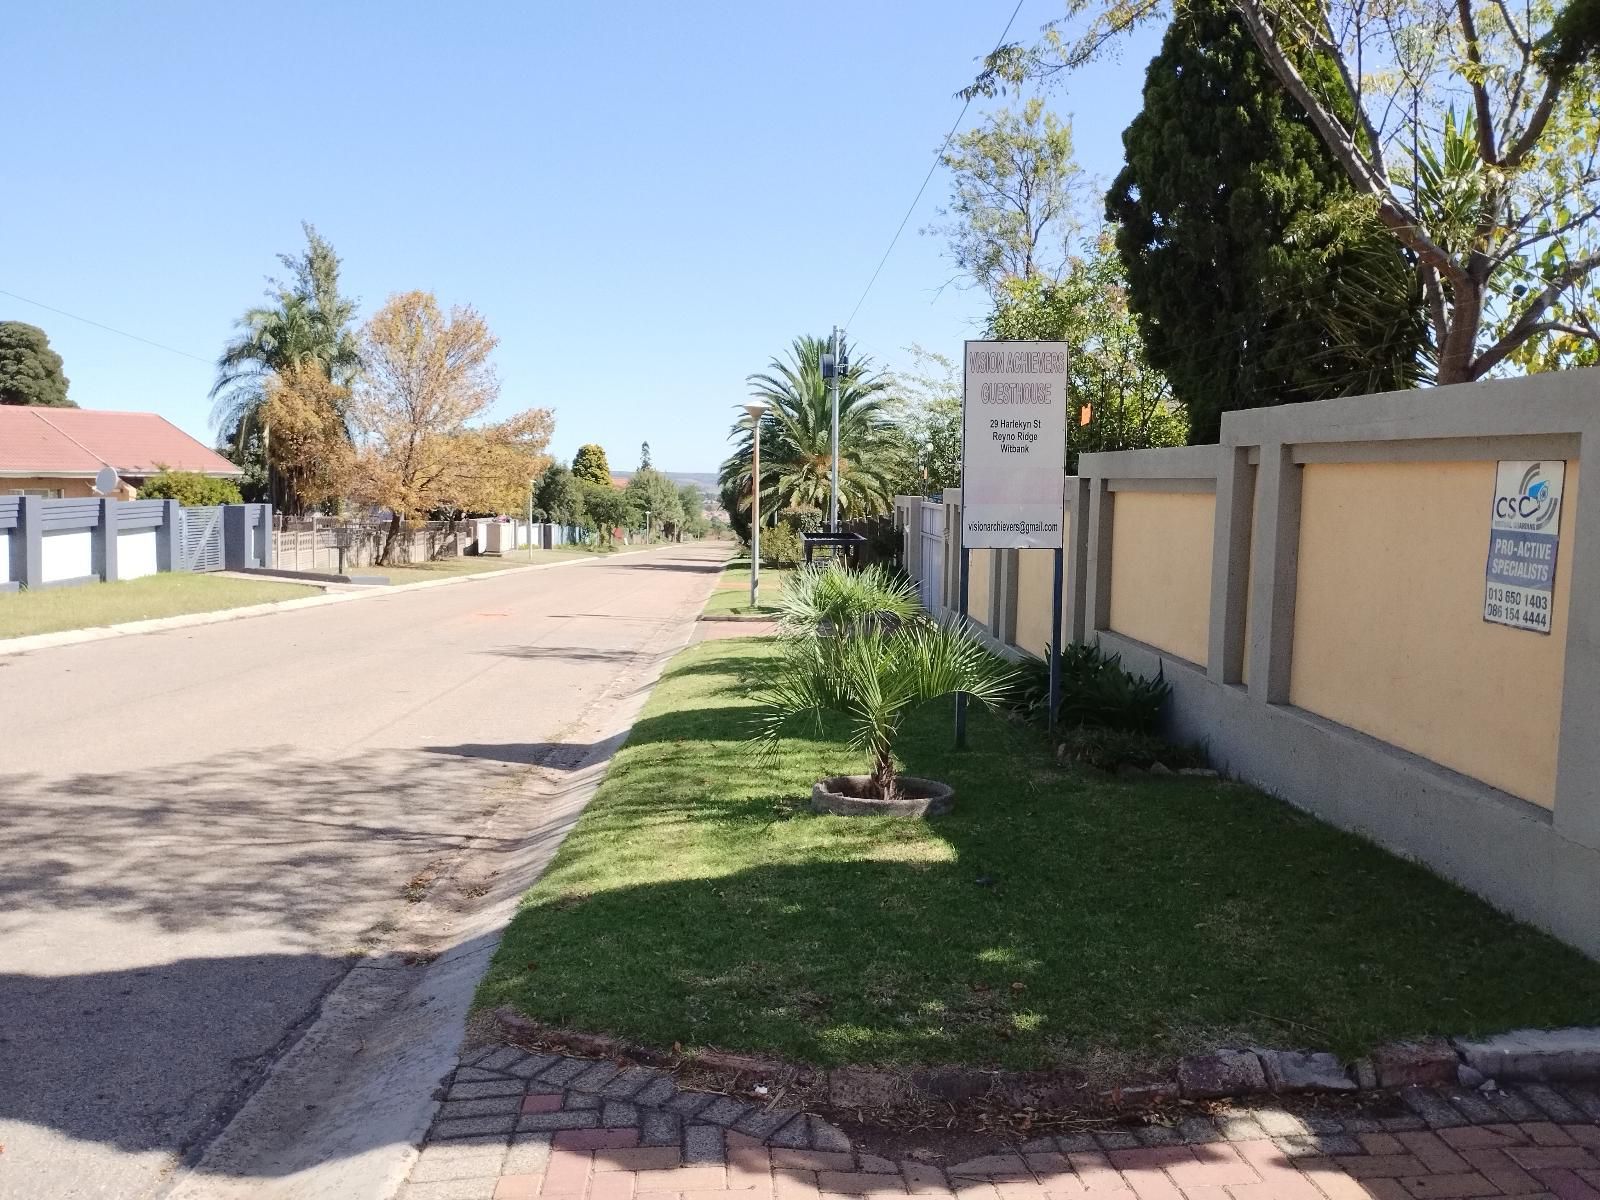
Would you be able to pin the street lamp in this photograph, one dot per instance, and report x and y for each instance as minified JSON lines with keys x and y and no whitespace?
{"x":757,"y":409}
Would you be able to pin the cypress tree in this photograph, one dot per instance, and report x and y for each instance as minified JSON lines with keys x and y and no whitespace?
{"x":1257,"y":275}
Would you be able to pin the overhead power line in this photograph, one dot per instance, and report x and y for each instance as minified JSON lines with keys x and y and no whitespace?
{"x":109,"y":329}
{"x":926,"y":179}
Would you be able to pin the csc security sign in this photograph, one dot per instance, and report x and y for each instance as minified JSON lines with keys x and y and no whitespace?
{"x":1014,"y":444}
{"x":1524,"y":537}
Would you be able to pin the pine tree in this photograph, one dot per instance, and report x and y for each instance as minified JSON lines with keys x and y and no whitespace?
{"x":1257,"y":276}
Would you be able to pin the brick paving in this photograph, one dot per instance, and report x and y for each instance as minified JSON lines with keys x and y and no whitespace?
{"x":517,"y":1126}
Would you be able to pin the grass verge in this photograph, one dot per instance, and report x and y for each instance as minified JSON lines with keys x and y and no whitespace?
{"x":169,"y":594}
{"x":733,"y":591}
{"x":1057,"y":916}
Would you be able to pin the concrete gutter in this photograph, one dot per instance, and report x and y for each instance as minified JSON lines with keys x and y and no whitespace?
{"x":68,"y":637}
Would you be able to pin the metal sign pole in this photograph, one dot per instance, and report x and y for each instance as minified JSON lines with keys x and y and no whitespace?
{"x":961,"y":697}
{"x":965,"y":560}
{"x":1055,"y":636}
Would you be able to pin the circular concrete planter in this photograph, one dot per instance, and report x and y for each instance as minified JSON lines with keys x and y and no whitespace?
{"x":847,"y":796}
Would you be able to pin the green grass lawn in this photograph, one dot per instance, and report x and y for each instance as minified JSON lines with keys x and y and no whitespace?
{"x":1057,"y":916}
{"x":732,"y":596}
{"x":168,"y":594}
{"x":444,"y":568}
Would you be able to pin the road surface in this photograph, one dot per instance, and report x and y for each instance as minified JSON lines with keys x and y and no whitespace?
{"x":204,"y":831}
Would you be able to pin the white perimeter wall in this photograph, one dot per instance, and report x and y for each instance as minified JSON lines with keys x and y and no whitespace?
{"x":67,"y":555}
{"x":5,"y":554}
{"x":136,"y":554}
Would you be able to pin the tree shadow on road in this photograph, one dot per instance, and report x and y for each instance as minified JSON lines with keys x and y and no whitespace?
{"x":316,"y":850}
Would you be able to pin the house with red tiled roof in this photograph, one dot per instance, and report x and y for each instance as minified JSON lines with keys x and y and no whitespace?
{"x":57,"y":452}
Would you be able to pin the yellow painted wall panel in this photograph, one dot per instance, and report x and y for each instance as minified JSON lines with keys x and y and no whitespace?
{"x":1389,"y":631}
{"x":1161,"y":570}
{"x":978,"y":568}
{"x":1034,"y":594}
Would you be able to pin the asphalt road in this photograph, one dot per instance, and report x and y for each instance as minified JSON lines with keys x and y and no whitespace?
{"x":202,"y":829}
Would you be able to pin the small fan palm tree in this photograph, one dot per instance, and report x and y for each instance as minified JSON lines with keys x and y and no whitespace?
{"x":835,"y":598}
{"x":797,"y":438}
{"x":874,"y":679}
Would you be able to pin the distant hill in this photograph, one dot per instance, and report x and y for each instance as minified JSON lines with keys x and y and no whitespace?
{"x":706,"y":481}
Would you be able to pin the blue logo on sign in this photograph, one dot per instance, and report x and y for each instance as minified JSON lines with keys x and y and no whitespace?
{"x":1534,"y":502}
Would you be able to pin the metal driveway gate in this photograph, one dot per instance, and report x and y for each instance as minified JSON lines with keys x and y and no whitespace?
{"x":200,"y":539}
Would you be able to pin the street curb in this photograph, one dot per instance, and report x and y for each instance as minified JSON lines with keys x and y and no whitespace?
{"x":406,"y":1020}
{"x":98,"y":633}
{"x":1522,"y":1056}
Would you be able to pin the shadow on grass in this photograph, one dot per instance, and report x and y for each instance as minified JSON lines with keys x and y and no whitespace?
{"x":1054,"y":916}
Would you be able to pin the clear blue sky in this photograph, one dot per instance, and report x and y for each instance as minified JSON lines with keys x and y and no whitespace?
{"x":646,"y":201}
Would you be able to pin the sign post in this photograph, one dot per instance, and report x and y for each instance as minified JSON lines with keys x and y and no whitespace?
{"x":1524,"y":537}
{"x":1013,"y":466}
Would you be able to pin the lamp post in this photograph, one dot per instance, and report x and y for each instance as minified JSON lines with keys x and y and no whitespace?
{"x":757,"y":409}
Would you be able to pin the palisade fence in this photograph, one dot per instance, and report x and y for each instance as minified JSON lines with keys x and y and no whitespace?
{"x":55,"y":543}
{"x":334,"y":545}
{"x":1320,"y":590}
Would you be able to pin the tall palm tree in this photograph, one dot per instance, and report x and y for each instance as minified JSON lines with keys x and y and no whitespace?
{"x":797,"y":440}
{"x":306,"y":321}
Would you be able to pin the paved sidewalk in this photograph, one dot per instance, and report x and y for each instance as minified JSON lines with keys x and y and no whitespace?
{"x":515,"y":1126}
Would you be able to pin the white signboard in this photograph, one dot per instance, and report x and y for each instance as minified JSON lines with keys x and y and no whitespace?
{"x":1524,"y":536}
{"x":1014,"y":444}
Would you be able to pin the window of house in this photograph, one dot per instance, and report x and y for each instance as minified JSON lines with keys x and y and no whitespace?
{"x":42,"y":493}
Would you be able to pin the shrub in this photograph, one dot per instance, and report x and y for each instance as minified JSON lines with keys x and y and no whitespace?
{"x":1108,"y":749}
{"x":190,"y":488}
{"x":1095,"y":691}
{"x":780,"y":546}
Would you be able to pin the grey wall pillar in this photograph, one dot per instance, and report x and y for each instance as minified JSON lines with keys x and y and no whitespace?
{"x":168,"y":552}
{"x":1074,"y":610}
{"x":1577,"y":808}
{"x":106,"y":539}
{"x":236,"y":536}
{"x":1097,"y":572}
{"x":1274,"y":565}
{"x":32,"y":526}
{"x":1230,"y":566}
{"x":264,"y":548}
{"x":1003,"y":594}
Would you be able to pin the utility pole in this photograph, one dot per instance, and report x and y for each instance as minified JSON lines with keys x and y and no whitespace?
{"x":834,"y":364}
{"x":838,"y":369}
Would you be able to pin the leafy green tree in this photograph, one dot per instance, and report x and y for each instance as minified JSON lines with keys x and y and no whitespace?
{"x":797,"y":438}
{"x":1466,"y":130}
{"x":605,"y":508}
{"x":558,"y":497}
{"x":30,"y":372}
{"x":1014,"y":187}
{"x":693,"y":502}
{"x":589,"y":464}
{"x":1117,"y":400}
{"x":929,"y":417}
{"x":650,"y":492}
{"x":1244,"y":297}
{"x":190,"y":489}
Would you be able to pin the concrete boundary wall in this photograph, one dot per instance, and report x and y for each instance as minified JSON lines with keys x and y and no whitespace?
{"x":60,"y":543}
{"x":1422,"y":776}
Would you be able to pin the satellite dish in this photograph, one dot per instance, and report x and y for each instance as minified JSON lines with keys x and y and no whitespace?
{"x":106,"y":481}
